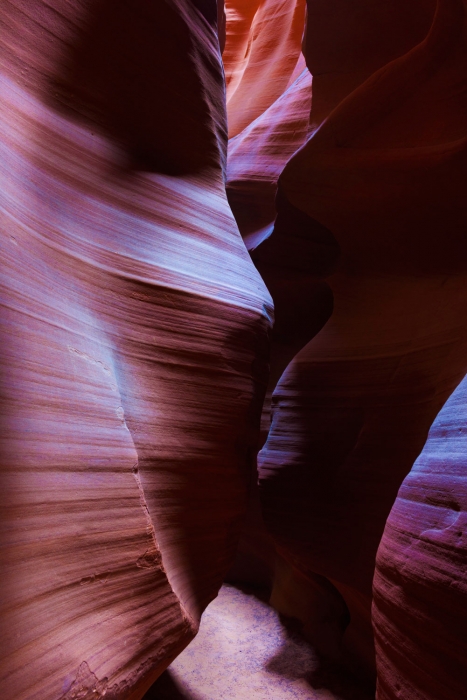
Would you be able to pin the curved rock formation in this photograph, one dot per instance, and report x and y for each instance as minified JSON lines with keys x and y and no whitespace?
{"x":384,"y":177}
{"x":134,"y":343}
{"x":420,"y":585}
{"x":256,"y":158}
{"x":135,"y":332}
{"x":262,"y":55}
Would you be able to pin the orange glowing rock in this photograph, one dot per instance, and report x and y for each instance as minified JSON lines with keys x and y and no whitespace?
{"x":262,"y":55}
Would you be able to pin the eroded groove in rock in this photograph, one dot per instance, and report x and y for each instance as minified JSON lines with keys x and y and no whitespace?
{"x":134,"y":333}
{"x":285,"y":255}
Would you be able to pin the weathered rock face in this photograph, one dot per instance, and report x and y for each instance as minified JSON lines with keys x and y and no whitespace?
{"x":382,"y":182}
{"x":133,"y":344}
{"x":420,"y":585}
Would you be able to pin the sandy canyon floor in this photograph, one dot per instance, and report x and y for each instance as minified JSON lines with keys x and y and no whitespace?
{"x":244,"y":651}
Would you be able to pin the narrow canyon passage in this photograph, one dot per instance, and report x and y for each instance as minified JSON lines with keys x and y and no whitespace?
{"x":233,"y":349}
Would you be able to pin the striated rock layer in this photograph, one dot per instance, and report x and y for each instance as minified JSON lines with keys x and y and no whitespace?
{"x":420,"y":585}
{"x":134,"y":343}
{"x":379,"y":190}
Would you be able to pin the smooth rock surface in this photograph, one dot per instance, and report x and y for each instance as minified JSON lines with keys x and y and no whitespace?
{"x":134,"y":343}
{"x":345,"y":43}
{"x":384,"y":178}
{"x":262,"y":55}
{"x":256,"y":158}
{"x":135,"y":335}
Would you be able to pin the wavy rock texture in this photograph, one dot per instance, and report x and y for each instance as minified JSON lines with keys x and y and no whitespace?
{"x":135,"y":332}
{"x":133,"y":347}
{"x":262,"y":55}
{"x":382,"y":181}
{"x":420,"y":586}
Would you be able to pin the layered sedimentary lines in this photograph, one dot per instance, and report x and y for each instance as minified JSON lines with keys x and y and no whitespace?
{"x":73,"y":589}
{"x":136,"y":332}
{"x":420,"y":582}
{"x":134,"y":345}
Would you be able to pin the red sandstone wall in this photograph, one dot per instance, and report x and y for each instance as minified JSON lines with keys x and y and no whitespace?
{"x":370,"y":226}
{"x":135,"y":332}
{"x":133,"y":348}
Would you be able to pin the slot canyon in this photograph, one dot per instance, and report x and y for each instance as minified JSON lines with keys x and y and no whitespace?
{"x":233,"y":349}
